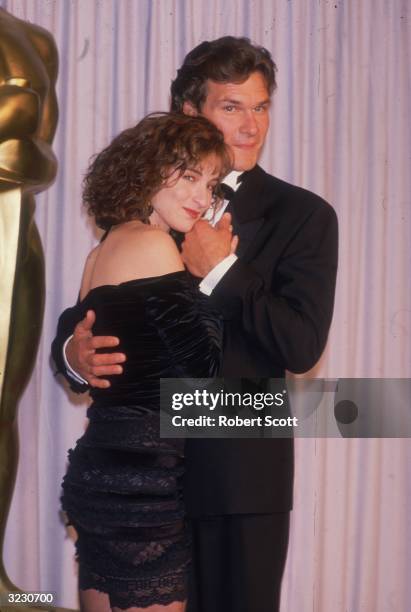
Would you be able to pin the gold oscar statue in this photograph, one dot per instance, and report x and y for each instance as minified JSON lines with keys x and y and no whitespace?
{"x":28,"y":120}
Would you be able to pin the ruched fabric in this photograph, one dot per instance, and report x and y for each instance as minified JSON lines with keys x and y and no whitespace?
{"x":122,"y":491}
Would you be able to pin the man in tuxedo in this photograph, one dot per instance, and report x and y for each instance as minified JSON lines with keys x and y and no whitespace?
{"x":276,"y":297}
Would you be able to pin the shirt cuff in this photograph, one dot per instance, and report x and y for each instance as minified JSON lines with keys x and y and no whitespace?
{"x":70,"y":372}
{"x":210,"y":281}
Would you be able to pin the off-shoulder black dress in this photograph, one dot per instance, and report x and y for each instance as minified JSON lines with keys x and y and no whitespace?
{"x":122,"y":491}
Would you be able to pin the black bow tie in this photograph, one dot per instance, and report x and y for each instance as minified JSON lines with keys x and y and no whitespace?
{"x":227,"y":191}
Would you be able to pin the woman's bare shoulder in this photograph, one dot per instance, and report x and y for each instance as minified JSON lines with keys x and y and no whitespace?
{"x":88,"y":270}
{"x":139,"y":251}
{"x":128,"y":253}
{"x":155,"y":249}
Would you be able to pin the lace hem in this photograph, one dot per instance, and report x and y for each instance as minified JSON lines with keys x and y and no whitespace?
{"x":141,"y":593}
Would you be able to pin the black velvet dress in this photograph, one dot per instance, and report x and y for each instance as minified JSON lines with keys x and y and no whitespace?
{"x":122,"y":491}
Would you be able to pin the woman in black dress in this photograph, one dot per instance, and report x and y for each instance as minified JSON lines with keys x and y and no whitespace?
{"x":122,"y":490}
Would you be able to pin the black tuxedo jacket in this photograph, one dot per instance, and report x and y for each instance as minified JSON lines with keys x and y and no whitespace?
{"x":277,"y":303}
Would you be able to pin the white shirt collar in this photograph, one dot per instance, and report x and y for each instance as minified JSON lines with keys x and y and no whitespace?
{"x":231,"y":179}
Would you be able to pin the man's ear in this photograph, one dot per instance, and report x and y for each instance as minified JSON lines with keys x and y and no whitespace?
{"x":189,"y":109}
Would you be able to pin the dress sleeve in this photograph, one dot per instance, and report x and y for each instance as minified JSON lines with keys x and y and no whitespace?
{"x":189,"y":329}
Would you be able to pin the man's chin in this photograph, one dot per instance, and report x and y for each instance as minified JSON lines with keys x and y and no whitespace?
{"x":244,"y":161}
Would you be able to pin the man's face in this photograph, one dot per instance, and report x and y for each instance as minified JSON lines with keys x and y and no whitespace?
{"x":241,"y":112}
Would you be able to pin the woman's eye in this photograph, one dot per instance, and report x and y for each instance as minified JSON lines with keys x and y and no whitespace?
{"x":189,"y":177}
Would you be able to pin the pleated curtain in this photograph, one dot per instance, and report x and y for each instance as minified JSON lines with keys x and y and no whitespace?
{"x":340,"y":126}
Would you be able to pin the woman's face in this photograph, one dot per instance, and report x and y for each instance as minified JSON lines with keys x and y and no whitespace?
{"x":183,"y":199}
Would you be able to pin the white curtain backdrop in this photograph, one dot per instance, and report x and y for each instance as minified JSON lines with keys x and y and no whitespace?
{"x":340,"y":127}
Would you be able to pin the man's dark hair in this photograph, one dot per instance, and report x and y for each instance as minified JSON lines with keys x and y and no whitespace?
{"x":225,"y":60}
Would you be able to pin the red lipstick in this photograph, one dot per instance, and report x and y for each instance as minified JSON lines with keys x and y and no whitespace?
{"x":193,"y":213}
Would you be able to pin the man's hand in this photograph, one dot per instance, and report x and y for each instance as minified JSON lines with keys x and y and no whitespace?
{"x":82,"y":357}
{"x":205,"y":246}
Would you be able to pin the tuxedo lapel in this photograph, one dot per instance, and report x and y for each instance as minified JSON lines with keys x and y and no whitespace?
{"x":248,"y":201}
{"x":246,"y":233}
{"x":249,"y":208}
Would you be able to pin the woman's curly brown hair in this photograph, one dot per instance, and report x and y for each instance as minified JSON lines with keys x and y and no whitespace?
{"x":123,"y":178}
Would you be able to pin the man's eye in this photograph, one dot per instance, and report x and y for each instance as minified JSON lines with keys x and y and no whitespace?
{"x":260,"y":109}
{"x":229,"y":108}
